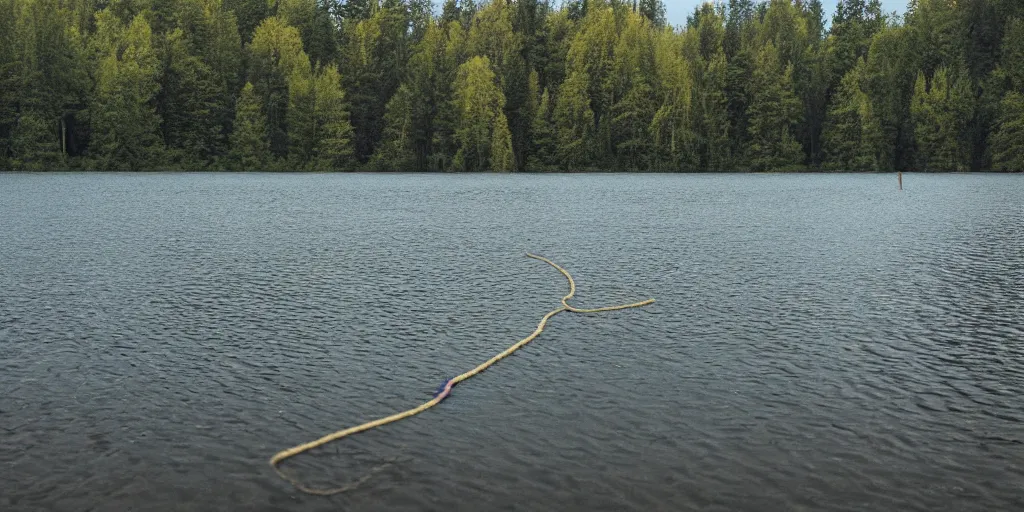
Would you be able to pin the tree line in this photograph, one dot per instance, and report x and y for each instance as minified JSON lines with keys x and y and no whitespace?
{"x":510,"y":85}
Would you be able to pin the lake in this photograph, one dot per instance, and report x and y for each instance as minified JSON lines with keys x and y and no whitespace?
{"x":819,"y":342}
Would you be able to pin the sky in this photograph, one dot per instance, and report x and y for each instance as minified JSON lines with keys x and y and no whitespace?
{"x":678,"y":10}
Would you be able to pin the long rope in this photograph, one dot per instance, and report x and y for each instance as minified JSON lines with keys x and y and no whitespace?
{"x":441,"y":394}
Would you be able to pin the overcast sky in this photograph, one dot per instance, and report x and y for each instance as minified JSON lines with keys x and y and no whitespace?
{"x":678,"y":10}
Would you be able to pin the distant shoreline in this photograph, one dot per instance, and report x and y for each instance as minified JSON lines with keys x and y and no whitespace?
{"x":477,"y":173}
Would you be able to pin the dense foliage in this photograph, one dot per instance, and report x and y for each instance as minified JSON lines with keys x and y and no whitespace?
{"x":510,"y":85}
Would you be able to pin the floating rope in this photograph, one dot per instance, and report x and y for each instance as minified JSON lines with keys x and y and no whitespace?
{"x":442,"y":392}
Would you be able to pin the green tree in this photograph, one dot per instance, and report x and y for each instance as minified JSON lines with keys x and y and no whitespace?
{"x":738,"y":76}
{"x":889,"y":83}
{"x":313,"y":21}
{"x":275,"y":56}
{"x":574,"y":123}
{"x":592,"y":52}
{"x":410,"y":118}
{"x":1007,"y":141}
{"x":853,"y":134}
{"x":249,"y":13}
{"x":710,"y":32}
{"x":374,"y":57}
{"x":590,"y":84}
{"x":397,"y":151}
{"x":250,"y":146}
{"x":739,"y":20}
{"x":938,"y":34}
{"x":502,"y":158}
{"x":332,"y":147}
{"x":482,"y":133}
{"x":653,"y":10}
{"x":556,"y":34}
{"x":34,"y":144}
{"x":219,"y":45}
{"x":492,"y":35}
{"x":125,"y":123}
{"x":713,"y":120}
{"x":941,"y":111}
{"x":189,"y":106}
{"x":543,"y":151}
{"x":47,"y":72}
{"x":318,"y":122}
{"x":671,"y":126}
{"x":9,"y":64}
{"x":301,"y":120}
{"x":854,"y":24}
{"x":444,"y":143}
{"x":635,"y":102}
{"x":1009,"y":74}
{"x":774,"y":112}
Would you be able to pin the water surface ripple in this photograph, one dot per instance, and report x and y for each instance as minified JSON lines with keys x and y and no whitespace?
{"x":820,"y":342}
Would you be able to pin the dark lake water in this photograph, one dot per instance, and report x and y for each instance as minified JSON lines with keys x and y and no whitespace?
{"x":819,"y":342}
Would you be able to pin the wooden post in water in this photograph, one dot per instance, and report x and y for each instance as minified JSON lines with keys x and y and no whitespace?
{"x":899,"y":178}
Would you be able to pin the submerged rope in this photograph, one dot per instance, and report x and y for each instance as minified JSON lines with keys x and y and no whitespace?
{"x":441,"y":393}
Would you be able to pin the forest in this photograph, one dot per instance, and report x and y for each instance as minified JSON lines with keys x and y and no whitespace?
{"x":510,"y":85}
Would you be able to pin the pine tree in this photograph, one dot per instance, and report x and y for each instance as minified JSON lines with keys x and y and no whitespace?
{"x":301,"y":119}
{"x":318,"y":122}
{"x":739,"y":17}
{"x":34,"y":144}
{"x":574,"y":124}
{"x":411,"y":121}
{"x":9,"y":90}
{"x":492,"y":35}
{"x":889,"y":83}
{"x":250,"y":147}
{"x":1010,"y":72}
{"x":672,"y":125}
{"x":714,"y":116}
{"x":738,"y":93}
{"x":542,"y":153}
{"x":635,"y":102}
{"x":124,"y":117}
{"x":852,"y":132}
{"x":374,"y":60}
{"x":47,"y":70}
{"x":592,"y":52}
{"x":774,"y":112}
{"x":276,"y":56}
{"x":444,"y":144}
{"x":396,"y":152}
{"x":1007,"y":141}
{"x":593,"y":84}
{"x":249,"y":14}
{"x":313,"y":20}
{"x":482,"y":127}
{"x":528,"y":112}
{"x":937,"y":35}
{"x":189,"y":106}
{"x":332,"y":147}
{"x":941,"y":111}
{"x":218,"y":44}
{"x":654,"y":11}
{"x":632,"y":118}
{"x":502,"y":158}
